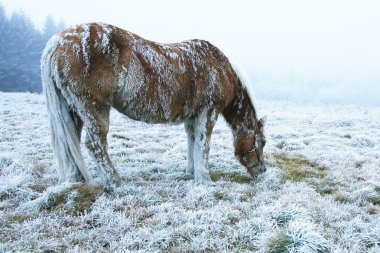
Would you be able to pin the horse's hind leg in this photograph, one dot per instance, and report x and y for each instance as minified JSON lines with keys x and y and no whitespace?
{"x":97,"y":125}
{"x":203,"y":126}
{"x":189,"y":127}
{"x":78,"y":126}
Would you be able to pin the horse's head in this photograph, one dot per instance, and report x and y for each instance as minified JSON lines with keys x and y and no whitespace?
{"x":251,"y":150}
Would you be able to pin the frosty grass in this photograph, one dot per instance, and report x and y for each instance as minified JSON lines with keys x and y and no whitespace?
{"x":321,"y":192}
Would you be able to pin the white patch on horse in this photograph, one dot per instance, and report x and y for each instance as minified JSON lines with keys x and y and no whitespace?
{"x":85,"y":39}
{"x":188,"y":48}
{"x":247,"y":84}
{"x":202,"y":144}
{"x":105,"y":46}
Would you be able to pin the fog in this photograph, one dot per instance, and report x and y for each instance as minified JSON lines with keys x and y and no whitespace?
{"x":310,"y":51}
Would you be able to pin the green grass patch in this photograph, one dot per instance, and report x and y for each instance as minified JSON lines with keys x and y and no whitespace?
{"x":281,"y":145}
{"x":280,"y":243}
{"x":298,"y":168}
{"x":324,"y":186}
{"x":75,"y":200}
{"x":38,"y":187}
{"x":348,"y":136}
{"x":217,"y":175}
{"x":247,"y":195}
{"x":325,"y":191}
{"x":359,"y":164}
{"x":374,"y":200}
{"x":118,"y":136}
{"x":372,"y":211}
{"x":341,"y":198}
{"x":18,"y":218}
{"x":147,"y":176}
{"x":220,"y":196}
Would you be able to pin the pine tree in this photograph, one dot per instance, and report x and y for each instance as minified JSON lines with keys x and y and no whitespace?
{"x":21,"y":46}
{"x":50,"y":28}
{"x":4,"y":44}
{"x":22,"y":65}
{"x":61,"y":26}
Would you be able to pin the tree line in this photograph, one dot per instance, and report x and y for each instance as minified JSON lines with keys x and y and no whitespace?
{"x":21,"y":46}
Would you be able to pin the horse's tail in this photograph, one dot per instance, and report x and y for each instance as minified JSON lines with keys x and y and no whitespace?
{"x":246,"y":83}
{"x":63,"y":121}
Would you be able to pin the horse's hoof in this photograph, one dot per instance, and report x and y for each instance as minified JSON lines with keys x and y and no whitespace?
{"x":190,"y":170}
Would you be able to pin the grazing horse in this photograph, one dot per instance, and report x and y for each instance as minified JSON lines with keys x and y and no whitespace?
{"x":88,"y":69}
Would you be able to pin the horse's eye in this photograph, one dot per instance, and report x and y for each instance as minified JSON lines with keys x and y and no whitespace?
{"x":264,"y":142}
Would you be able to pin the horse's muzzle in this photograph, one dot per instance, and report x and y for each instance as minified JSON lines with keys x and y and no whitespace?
{"x":257,"y":170}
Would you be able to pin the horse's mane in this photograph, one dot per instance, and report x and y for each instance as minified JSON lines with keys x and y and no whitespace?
{"x":247,"y":84}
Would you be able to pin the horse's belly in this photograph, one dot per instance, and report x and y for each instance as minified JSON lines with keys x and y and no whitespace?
{"x":155,"y":108}
{"x":152,"y":112}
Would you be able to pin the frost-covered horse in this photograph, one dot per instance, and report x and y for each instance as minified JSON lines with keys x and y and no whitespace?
{"x":90,"y":68}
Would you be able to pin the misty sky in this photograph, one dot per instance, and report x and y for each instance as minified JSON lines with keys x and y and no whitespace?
{"x":300,"y":40}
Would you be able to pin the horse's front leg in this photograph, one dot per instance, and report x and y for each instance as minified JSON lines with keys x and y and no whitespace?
{"x":189,"y":127}
{"x":203,"y":126}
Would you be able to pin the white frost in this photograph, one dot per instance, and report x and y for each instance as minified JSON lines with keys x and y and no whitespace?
{"x":160,"y":208}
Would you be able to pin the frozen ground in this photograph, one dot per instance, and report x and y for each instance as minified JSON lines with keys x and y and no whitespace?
{"x":321,"y":192}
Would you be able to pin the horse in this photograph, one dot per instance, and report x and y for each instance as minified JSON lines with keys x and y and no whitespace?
{"x":88,"y":69}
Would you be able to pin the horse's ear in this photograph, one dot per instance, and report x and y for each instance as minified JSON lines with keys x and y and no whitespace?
{"x":262,"y":121}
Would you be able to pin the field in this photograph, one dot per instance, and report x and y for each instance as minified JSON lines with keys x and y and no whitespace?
{"x":321,"y":192}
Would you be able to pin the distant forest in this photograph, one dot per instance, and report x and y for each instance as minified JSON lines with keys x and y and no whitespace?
{"x":21,"y":46}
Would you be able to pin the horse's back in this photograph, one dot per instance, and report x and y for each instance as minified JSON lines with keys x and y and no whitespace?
{"x":173,"y":82}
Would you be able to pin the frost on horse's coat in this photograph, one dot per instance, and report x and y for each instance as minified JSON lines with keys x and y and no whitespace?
{"x":88,"y":69}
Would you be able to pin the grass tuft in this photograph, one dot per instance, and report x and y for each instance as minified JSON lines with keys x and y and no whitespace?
{"x":18,"y":218}
{"x":39,"y":187}
{"x":325,"y":186}
{"x":348,"y":136}
{"x":280,"y":243}
{"x":220,"y":196}
{"x":5,"y":161}
{"x":284,"y":216}
{"x":118,"y":136}
{"x":281,"y":145}
{"x":372,"y":211}
{"x":359,"y":164}
{"x":298,"y":168}
{"x":217,"y":175}
{"x":75,"y":200}
{"x":375,"y":199}
{"x":341,"y":198}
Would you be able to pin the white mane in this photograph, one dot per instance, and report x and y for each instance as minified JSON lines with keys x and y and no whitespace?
{"x":247,"y":85}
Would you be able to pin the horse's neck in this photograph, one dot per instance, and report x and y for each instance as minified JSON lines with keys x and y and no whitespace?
{"x":241,"y":116}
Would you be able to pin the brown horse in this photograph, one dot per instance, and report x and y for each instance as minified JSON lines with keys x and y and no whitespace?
{"x":88,"y":69}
